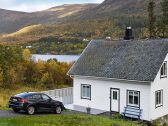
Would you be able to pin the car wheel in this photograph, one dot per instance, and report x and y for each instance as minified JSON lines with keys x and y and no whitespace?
{"x":58,"y":110}
{"x":31,"y":110}
{"x":16,"y":110}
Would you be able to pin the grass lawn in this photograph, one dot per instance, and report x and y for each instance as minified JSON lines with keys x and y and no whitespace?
{"x":64,"y":120}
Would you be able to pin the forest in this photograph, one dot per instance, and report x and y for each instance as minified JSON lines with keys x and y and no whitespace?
{"x":17,"y":69}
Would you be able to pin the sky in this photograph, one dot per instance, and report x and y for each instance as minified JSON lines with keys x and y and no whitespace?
{"x":38,"y":5}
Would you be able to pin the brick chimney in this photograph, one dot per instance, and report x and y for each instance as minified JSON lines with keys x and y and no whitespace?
{"x":128,"y":34}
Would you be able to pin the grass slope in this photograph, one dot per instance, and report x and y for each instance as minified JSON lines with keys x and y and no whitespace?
{"x":64,"y":120}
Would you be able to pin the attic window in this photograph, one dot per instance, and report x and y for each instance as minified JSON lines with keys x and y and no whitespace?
{"x":163,"y":71}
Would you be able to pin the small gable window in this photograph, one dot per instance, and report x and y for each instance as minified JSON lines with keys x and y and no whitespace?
{"x":159,"y":98}
{"x":163,"y":71}
{"x":86,"y":91}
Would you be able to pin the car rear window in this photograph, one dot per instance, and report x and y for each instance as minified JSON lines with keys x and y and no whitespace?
{"x":22,"y":95}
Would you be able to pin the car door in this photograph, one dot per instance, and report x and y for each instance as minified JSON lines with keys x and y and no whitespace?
{"x":35,"y":100}
{"x":45,"y":102}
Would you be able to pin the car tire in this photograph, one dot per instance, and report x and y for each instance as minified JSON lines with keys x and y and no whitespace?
{"x":58,"y":110}
{"x":16,"y":110}
{"x":31,"y":110}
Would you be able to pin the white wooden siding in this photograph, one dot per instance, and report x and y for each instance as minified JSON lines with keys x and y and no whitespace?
{"x":159,"y":84}
{"x":100,"y":93}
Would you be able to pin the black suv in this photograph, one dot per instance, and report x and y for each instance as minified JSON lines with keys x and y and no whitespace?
{"x":32,"y":102}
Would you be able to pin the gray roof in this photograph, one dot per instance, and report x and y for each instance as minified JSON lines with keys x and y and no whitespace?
{"x":138,"y":60}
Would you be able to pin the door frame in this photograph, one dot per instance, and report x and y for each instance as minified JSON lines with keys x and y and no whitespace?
{"x":118,"y":99}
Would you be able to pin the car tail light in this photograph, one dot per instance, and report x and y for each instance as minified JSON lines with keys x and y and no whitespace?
{"x":23,"y":100}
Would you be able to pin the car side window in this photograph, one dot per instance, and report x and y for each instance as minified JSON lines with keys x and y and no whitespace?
{"x":45,"y":97}
{"x":30,"y":97}
{"x":34,"y":97}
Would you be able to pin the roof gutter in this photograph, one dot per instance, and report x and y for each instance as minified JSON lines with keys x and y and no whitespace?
{"x":110,"y":78}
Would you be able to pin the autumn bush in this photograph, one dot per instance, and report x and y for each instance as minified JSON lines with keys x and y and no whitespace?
{"x":17,"y":68}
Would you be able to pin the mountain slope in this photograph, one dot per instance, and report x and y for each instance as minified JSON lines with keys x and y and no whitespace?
{"x":11,"y":21}
{"x":116,"y":8}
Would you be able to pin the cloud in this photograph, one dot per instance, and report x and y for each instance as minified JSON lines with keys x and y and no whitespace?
{"x":30,"y":7}
{"x":38,"y":5}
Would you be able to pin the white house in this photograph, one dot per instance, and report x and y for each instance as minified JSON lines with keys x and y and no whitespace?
{"x":113,"y":75}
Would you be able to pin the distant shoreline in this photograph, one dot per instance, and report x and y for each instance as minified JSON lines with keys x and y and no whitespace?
{"x":60,"y":58}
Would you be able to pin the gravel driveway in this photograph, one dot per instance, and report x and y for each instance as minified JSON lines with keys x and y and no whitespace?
{"x":10,"y":113}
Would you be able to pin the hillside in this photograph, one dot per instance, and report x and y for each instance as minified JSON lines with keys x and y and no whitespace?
{"x":116,"y":8}
{"x":67,"y":38}
{"x":11,"y":21}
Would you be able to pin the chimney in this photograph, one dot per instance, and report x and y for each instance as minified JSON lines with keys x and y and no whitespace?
{"x":128,"y":34}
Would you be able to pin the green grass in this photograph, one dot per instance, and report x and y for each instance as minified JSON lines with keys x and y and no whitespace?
{"x":64,"y":120}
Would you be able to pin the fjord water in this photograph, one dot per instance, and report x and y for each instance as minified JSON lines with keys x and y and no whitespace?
{"x":60,"y":58}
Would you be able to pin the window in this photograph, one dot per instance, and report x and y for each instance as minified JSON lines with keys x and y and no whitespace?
{"x":86,"y":91}
{"x":133,"y":98}
{"x":163,"y":71}
{"x":115,"y":95}
{"x":34,"y":97}
{"x":45,"y":97}
{"x":159,"y":98}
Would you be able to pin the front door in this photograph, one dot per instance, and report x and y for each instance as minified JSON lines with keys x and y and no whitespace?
{"x":115,"y":99}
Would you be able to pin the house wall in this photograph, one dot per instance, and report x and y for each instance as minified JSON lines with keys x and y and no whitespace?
{"x":159,"y":84}
{"x":100,"y":93}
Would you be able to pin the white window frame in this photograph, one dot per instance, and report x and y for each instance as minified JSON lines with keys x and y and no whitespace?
{"x":164,"y":67}
{"x":133,"y":92}
{"x":159,"y":101}
{"x":86,"y":91}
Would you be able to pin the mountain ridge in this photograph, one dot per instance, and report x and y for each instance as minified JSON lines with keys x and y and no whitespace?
{"x":116,"y":8}
{"x":11,"y":21}
{"x":120,"y":10}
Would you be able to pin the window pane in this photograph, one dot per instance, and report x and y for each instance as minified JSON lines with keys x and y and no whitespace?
{"x":115,"y":95}
{"x":83,"y":91}
{"x":131,"y":93}
{"x":163,"y":70}
{"x":36,"y":97}
{"x":89,"y":94}
{"x":88,"y":91}
{"x":159,"y":97}
{"x":45,"y":97}
{"x":136,"y":100}
{"x":136,"y":93}
{"x":130,"y":98}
